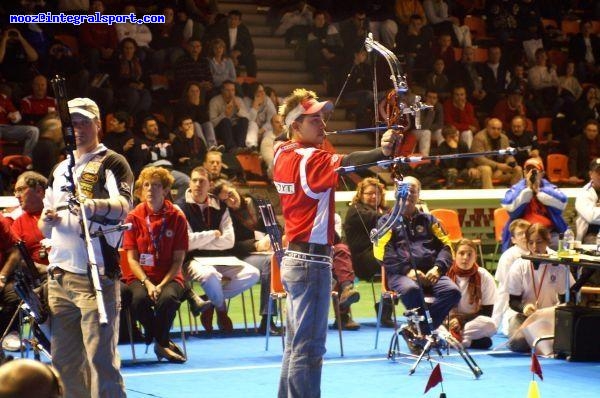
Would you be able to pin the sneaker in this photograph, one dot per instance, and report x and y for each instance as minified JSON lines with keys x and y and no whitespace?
{"x":409,"y":335}
{"x":348,"y":297}
{"x":12,"y":342}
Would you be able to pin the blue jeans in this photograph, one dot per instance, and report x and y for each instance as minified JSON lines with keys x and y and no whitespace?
{"x":308,"y":284}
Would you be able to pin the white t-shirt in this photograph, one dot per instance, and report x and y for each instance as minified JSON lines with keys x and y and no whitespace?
{"x":507,"y":258}
{"x":552,"y":279}
{"x":488,"y":292}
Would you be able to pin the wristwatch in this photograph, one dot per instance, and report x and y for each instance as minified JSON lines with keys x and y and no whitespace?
{"x":3,"y":278}
{"x":144,"y":280}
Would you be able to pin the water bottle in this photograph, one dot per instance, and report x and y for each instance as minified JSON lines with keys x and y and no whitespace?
{"x":569,"y":240}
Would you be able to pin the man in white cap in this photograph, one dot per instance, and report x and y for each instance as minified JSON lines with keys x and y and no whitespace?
{"x":305,"y":178}
{"x":84,"y":351}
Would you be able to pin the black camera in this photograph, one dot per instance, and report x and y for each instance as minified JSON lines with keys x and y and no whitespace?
{"x":533,"y":176}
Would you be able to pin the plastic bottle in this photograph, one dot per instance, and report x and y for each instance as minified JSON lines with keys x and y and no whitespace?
{"x":569,"y":240}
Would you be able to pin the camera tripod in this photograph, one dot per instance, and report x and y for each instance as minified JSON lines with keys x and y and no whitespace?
{"x":37,"y":340}
{"x":417,"y":341}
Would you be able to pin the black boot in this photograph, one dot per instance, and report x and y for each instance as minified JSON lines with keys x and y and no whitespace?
{"x":386,"y":314}
{"x":274,"y":330}
{"x":196,"y":304}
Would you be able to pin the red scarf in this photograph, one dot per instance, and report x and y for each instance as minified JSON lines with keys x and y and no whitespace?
{"x":474,"y":287}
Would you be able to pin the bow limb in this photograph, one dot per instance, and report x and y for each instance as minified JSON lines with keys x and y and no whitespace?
{"x":402,"y":192}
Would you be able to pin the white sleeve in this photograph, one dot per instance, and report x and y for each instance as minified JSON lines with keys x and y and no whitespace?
{"x":488,"y":287}
{"x":227,"y":238}
{"x":515,"y":279}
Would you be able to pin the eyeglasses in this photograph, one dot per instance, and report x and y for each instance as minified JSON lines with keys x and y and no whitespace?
{"x":370,"y":193}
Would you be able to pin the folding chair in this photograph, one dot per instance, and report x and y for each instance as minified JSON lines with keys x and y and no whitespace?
{"x":543,"y":129}
{"x":501,"y":217}
{"x":477,"y":27}
{"x":124,"y":263}
{"x":251,"y":164}
{"x":451,"y":223}
{"x":243,"y":297}
{"x":557,"y":169}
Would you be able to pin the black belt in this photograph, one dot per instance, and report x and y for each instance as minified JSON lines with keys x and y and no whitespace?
{"x":311,"y":248}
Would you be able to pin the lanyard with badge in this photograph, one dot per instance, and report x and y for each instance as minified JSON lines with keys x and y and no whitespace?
{"x":537,"y":290}
{"x":151,"y":258}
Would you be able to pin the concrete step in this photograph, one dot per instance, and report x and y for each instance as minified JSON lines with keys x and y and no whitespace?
{"x":245,"y":8}
{"x":254,"y":19}
{"x":268,"y":64}
{"x":284,"y":77}
{"x":268,"y":42}
{"x":275,"y":53}
{"x":259,"y":30}
{"x":285,"y":89}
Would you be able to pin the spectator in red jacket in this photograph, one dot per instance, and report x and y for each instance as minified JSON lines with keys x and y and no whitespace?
{"x":99,"y":41}
{"x":460,"y":113}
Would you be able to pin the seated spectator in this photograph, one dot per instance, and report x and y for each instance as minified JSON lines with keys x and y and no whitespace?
{"x":249,"y":247}
{"x":191,"y":26}
{"x":431,"y":257}
{"x":437,"y":15}
{"x":267,"y":152}
{"x":510,"y":106}
{"x":414,"y":42}
{"x":156,"y":281}
{"x":584,"y":148}
{"x":151,"y":150}
{"x":118,"y":136}
{"x":204,"y":11}
{"x":587,"y":223}
{"x":28,"y":378}
{"x":584,"y":49}
{"x":587,"y":107}
{"x":535,"y":200}
{"x":260,"y":112}
{"x":193,"y":103}
{"x":470,"y":322}
{"x":502,"y":312}
{"x":569,"y":90}
{"x":380,"y":14}
{"x":437,"y":80}
{"x":533,"y":288}
{"x":294,"y":23}
{"x":139,"y":32}
{"x":17,"y":58}
{"x":324,"y":51}
{"x":188,"y":149}
{"x":494,"y":77}
{"x":221,"y":66}
{"x":238,"y":40}
{"x":271,"y":93}
{"x":211,"y":236}
{"x":406,"y":9}
{"x":442,"y":49}
{"x":359,"y":90}
{"x":229,"y":116}
{"x":60,"y":61}
{"x":9,"y":301}
{"x":99,"y":42}
{"x":543,"y":80}
{"x":432,"y":120}
{"x":213,"y":163}
{"x":128,"y":80}
{"x":38,"y":105}
{"x":457,"y":168}
{"x":503,"y":168}
{"x":519,"y":137}
{"x":467,"y":74}
{"x":460,"y":113}
{"x":353,"y":31}
{"x":192,"y":66}
{"x":10,"y":130}
{"x":343,"y":278}
{"x":502,"y":17}
{"x":365,"y":209}
{"x":167,"y":41}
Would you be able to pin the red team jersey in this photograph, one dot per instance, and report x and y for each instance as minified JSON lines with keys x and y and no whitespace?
{"x":305,"y":179}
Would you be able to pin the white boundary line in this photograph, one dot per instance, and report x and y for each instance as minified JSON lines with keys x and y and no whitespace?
{"x":328,"y":362}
